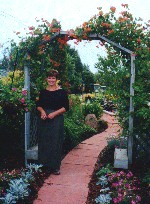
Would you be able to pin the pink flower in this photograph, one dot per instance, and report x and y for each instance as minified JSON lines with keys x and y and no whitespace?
{"x":22,"y":100}
{"x":138,"y":198}
{"x":129,"y":174}
{"x":114,"y":184}
{"x":133,"y":202}
{"x":26,"y":109}
{"x":119,"y":189}
{"x":14,"y":89}
{"x":120,"y":197}
{"x":122,"y":173}
{"x":24,"y":92}
{"x":115,"y":200}
{"x":120,"y":182}
{"x":118,"y":174}
{"x":31,"y":28}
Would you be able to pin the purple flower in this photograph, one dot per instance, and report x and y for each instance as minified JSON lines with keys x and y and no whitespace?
{"x":127,"y":185}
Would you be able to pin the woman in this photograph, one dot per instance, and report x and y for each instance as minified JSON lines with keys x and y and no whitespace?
{"x":53,"y":103}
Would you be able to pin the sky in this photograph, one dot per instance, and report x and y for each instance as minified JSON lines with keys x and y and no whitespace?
{"x":18,"y":15}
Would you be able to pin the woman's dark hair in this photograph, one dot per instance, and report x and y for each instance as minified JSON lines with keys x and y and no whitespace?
{"x":52,"y":73}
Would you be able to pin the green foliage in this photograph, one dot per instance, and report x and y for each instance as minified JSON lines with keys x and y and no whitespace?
{"x":114,"y":70}
{"x":88,"y":78}
{"x":117,"y":141}
{"x":75,"y":132}
{"x":92,"y":108}
{"x":103,"y":199}
{"x":15,"y":185}
{"x":12,"y":95}
{"x":102,"y":125}
{"x":146,"y":178}
{"x":77,"y":72}
{"x":104,"y":170}
{"x":75,"y":129}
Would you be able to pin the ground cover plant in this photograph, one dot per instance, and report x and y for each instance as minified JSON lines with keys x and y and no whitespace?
{"x":16,"y":185}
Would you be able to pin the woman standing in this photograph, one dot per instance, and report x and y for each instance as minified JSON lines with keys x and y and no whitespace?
{"x":53,"y":102}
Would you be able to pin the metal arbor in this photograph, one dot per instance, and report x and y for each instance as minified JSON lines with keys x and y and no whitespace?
{"x":32,"y":153}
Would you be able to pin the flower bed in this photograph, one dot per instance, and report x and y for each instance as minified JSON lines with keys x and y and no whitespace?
{"x":109,"y":185}
{"x":15,"y":186}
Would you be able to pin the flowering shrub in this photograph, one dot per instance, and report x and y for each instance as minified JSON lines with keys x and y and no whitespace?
{"x":117,"y":187}
{"x":13,"y":95}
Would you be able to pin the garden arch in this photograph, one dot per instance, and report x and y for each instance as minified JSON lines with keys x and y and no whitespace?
{"x":32,"y":153}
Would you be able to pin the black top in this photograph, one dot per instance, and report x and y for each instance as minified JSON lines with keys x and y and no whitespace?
{"x":53,"y":100}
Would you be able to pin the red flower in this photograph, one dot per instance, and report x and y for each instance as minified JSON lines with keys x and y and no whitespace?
{"x":138,"y":40}
{"x":46,"y":37}
{"x":124,"y":5}
{"x":31,"y":28}
{"x":113,"y":9}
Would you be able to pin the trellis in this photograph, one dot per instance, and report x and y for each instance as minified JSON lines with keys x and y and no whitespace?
{"x":32,"y":152}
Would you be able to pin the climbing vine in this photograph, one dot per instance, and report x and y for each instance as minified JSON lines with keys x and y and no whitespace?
{"x":47,"y":51}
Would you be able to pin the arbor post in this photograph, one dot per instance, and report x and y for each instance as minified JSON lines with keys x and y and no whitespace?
{"x":27,"y":114}
{"x":131,"y":109}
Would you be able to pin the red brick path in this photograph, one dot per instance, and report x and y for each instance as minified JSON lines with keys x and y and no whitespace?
{"x":71,"y":186}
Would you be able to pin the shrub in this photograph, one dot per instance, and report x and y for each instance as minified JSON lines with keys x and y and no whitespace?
{"x":92,"y":108}
{"x":117,"y":141}
{"x":102,"y":125}
{"x":75,"y":132}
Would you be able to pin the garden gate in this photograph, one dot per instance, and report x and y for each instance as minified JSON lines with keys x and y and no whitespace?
{"x":31,"y":151}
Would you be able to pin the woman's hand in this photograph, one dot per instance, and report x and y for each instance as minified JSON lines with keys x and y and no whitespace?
{"x":43,"y":115}
{"x":51,"y":115}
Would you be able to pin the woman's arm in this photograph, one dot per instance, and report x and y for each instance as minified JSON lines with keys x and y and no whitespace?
{"x":43,"y":113}
{"x":56,"y":113}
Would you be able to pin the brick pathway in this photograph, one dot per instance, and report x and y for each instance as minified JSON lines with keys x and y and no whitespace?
{"x":71,"y":186}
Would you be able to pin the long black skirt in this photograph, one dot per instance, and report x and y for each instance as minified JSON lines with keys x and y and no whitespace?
{"x":50,"y":141}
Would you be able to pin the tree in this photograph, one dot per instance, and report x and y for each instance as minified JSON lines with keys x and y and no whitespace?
{"x":88,"y":78}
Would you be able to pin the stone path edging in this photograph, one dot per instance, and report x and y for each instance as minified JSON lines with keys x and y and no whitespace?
{"x":71,"y":187}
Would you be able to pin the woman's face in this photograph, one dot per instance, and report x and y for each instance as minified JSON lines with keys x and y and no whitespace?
{"x":51,"y":80}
